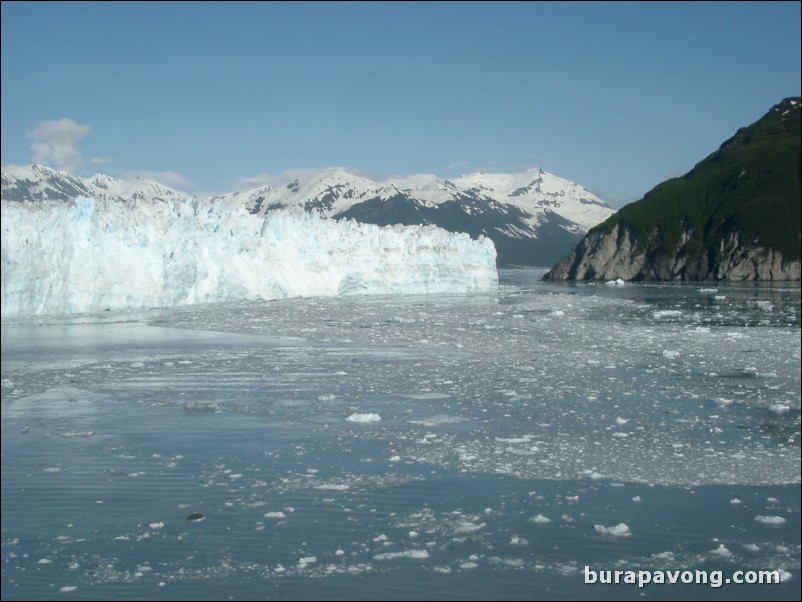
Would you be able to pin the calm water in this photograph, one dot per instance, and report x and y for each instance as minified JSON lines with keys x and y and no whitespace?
{"x":425,"y":447}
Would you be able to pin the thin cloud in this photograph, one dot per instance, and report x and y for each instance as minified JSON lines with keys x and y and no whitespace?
{"x":168,"y":178}
{"x":281,"y":179}
{"x":56,"y":143}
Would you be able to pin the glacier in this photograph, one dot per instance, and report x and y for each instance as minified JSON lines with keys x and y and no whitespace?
{"x":93,"y":254}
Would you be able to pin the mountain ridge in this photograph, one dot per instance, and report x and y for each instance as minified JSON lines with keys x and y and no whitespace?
{"x":533,"y":217}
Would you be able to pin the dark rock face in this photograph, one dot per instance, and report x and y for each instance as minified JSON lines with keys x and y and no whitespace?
{"x":609,"y":256}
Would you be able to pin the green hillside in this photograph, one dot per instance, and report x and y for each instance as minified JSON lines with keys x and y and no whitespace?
{"x":749,"y":186}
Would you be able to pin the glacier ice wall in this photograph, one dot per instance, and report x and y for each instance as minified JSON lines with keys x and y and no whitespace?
{"x":88,"y":255}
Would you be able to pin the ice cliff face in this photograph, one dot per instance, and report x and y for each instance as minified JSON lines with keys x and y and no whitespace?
{"x":87,"y":255}
{"x":612,"y":255}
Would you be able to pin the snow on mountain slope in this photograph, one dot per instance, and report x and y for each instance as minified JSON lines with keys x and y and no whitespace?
{"x":333,"y":191}
{"x":89,"y":254}
{"x":533,"y":216}
{"x":40,"y":183}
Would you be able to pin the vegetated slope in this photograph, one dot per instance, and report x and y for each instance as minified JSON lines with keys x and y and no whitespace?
{"x":734,"y":216}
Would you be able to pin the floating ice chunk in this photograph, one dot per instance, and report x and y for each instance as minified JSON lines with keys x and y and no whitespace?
{"x":524,"y":439}
{"x":278,"y":514}
{"x":722,"y":551}
{"x":439,"y":420}
{"x":666,"y":313}
{"x":414,"y":554}
{"x":752,"y":547}
{"x":43,"y":561}
{"x":671,"y":355}
{"x":735,"y":501}
{"x":305,"y":561}
{"x":770,"y":520}
{"x":364,"y":418}
{"x":67,"y":589}
{"x":779,"y":408}
{"x":158,"y":525}
{"x":619,"y":530}
{"x":621,"y":421}
{"x":540,"y":519}
{"x":517,"y":540}
{"x":636,"y":499}
{"x":469,"y":565}
{"x":426,"y":396}
{"x":469,"y":527}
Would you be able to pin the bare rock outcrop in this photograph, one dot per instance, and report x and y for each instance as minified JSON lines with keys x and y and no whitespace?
{"x":617,"y":254}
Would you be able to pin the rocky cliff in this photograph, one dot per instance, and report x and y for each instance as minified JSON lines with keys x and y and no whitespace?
{"x":735,"y":216}
{"x":614,"y":255}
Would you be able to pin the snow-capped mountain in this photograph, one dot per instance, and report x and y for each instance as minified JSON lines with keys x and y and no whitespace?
{"x":533,"y":217}
{"x":40,"y":183}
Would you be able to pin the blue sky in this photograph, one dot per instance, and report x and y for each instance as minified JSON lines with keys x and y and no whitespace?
{"x":207,"y":96}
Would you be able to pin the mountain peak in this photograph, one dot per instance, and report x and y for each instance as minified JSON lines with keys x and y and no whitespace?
{"x":788,"y":105}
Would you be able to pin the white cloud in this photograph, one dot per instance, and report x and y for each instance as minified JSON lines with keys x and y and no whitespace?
{"x":168,"y":178}
{"x":56,"y":143}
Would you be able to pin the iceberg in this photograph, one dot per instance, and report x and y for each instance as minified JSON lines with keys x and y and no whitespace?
{"x":89,"y":255}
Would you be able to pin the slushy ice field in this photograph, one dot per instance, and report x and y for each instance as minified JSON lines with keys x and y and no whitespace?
{"x":442,"y":447}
